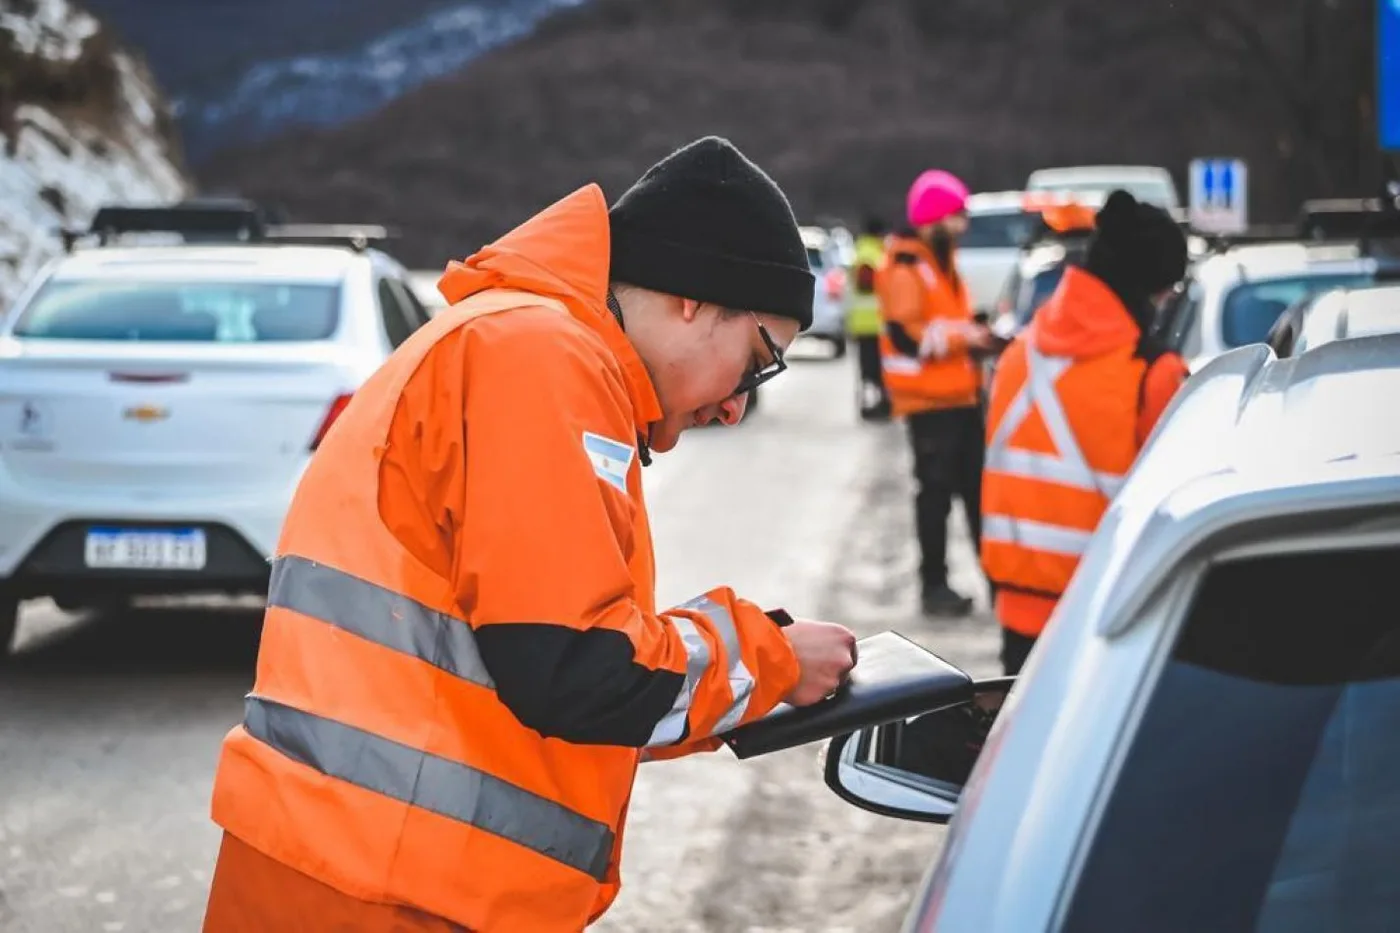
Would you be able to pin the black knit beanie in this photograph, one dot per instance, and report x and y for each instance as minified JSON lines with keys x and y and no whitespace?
{"x":706,"y":223}
{"x":1137,"y":249}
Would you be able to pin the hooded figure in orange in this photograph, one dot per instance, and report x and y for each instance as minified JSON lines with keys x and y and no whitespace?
{"x":462,"y":663}
{"x":1074,"y":398}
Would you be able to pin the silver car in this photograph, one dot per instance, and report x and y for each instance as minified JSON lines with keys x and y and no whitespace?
{"x":1207,"y":737}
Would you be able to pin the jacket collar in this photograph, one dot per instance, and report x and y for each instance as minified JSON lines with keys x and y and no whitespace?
{"x":563,"y":253}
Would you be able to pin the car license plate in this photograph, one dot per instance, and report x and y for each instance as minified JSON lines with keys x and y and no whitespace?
{"x":142,"y":549}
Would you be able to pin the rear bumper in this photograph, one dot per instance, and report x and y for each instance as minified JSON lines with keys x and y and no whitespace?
{"x":56,"y":565}
{"x":42,"y":539}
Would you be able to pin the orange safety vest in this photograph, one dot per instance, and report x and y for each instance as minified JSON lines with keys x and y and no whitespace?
{"x":1063,"y":431}
{"x":916,"y":295}
{"x":463,"y":492}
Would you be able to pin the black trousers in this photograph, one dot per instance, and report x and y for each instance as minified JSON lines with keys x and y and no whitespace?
{"x":1015,"y":648}
{"x":948,"y":454}
{"x":871,"y":377}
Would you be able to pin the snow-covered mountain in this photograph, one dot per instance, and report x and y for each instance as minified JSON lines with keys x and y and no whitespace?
{"x":81,"y":124}
{"x":327,"y":89}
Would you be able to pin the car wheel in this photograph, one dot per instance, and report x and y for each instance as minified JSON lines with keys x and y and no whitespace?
{"x":9,"y":622}
{"x":838,"y":347}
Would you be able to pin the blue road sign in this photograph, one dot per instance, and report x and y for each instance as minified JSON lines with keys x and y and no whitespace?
{"x":1219,"y":194}
{"x":1388,"y":74}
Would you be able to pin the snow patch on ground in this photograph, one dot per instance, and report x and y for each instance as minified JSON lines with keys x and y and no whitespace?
{"x":57,"y":168}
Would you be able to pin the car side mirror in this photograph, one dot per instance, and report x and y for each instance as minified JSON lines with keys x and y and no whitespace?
{"x":915,"y":769}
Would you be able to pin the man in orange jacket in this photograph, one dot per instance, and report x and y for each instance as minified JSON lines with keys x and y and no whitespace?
{"x":927,"y":352}
{"x":462,"y":662}
{"x":1073,"y":400}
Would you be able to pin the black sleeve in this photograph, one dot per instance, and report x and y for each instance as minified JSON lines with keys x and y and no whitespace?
{"x":582,"y":686}
{"x":904,"y":343}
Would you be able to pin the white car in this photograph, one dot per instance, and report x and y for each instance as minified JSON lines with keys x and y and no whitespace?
{"x":1233,"y":298}
{"x":1150,"y":184}
{"x":158,"y":405}
{"x":1205,"y":736}
{"x":998,"y":226}
{"x":830,"y":301}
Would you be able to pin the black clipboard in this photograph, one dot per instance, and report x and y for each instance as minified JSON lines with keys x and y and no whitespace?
{"x":894,"y":678}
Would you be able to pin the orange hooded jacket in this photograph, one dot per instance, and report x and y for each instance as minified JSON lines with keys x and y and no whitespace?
{"x":461,"y":661}
{"x":1071,"y":405}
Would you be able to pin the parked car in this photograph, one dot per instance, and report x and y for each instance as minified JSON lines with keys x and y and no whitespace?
{"x":424,"y":285}
{"x":158,"y":404}
{"x":1204,"y":737}
{"x":1338,"y":314}
{"x":998,"y":226}
{"x":829,"y":303}
{"x":1233,"y":297}
{"x":1148,"y":183}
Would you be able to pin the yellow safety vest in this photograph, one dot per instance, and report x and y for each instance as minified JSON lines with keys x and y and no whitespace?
{"x":864,"y":317}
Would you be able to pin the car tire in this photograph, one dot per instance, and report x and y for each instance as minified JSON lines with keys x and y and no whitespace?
{"x":9,"y":623}
{"x":838,"y":347}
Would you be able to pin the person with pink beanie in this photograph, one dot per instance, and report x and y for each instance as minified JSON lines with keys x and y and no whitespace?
{"x":928,"y":349}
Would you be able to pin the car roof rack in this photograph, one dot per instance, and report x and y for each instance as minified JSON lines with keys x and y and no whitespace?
{"x":1370,"y":222}
{"x":219,"y":220}
{"x":358,"y":237}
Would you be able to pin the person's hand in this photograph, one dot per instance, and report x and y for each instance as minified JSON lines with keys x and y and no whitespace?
{"x":826,"y":652}
{"x":979,"y":337}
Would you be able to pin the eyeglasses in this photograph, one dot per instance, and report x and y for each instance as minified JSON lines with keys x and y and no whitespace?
{"x":761,"y":373}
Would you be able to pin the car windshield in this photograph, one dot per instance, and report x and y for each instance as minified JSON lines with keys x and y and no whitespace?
{"x":1250,"y":309}
{"x":181,"y":311}
{"x":1002,"y":230}
{"x":815,"y":258}
{"x":1260,"y":791}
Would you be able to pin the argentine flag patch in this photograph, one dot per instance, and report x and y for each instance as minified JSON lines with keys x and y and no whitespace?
{"x":611,"y":459}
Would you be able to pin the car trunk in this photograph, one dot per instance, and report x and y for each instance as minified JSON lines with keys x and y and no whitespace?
{"x":175,"y":419}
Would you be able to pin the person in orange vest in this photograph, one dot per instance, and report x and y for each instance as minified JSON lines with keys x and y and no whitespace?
{"x":1073,"y":400}
{"x":462,"y":662}
{"x":928,"y":353}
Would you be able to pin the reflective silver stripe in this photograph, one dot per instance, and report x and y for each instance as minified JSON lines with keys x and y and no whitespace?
{"x":1023,"y":463}
{"x":378,"y":615}
{"x":741,"y":682}
{"x":1067,"y":467}
{"x":1038,"y":536}
{"x":697,"y":660}
{"x":901,"y":365}
{"x":1052,"y":414}
{"x":448,"y":788}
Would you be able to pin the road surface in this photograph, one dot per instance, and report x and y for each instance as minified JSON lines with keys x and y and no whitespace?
{"x":110,"y":726}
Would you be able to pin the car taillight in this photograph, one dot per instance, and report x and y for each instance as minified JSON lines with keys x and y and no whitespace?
{"x":332,"y":413}
{"x":836,"y":283}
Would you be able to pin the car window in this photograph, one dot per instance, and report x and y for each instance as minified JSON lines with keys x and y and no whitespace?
{"x":1261,"y":791}
{"x":1004,"y":230}
{"x":1037,"y":290}
{"x":1251,"y":308}
{"x":397,"y":322}
{"x":1176,"y":325}
{"x":182,"y":311}
{"x":417,"y":314}
{"x":815,"y":259}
